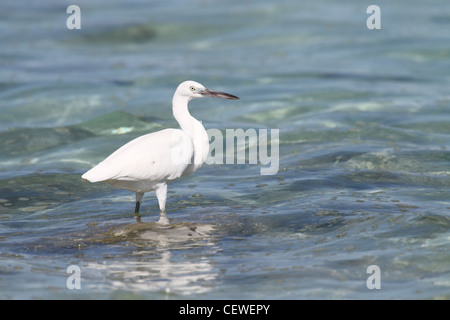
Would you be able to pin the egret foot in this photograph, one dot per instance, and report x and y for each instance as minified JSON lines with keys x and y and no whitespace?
{"x":163,"y":220}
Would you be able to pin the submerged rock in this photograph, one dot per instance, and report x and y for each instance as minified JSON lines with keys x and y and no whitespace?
{"x":145,"y":232}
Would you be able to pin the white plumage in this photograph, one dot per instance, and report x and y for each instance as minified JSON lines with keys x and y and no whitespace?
{"x":151,"y":161}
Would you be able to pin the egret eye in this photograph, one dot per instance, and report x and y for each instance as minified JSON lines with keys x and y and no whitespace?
{"x":193,"y":88}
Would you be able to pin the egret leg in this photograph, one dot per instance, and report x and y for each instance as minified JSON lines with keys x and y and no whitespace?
{"x":161,"y":194}
{"x":139,"y":196}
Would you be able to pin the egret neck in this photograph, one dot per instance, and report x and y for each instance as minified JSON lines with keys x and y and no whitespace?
{"x":193,"y":128}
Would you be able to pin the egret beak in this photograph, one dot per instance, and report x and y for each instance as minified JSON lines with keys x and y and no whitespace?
{"x":217,"y":94}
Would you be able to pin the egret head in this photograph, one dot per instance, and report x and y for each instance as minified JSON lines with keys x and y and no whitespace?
{"x":193,"y":90}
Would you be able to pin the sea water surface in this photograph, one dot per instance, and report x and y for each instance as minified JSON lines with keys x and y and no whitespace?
{"x":364,"y":150}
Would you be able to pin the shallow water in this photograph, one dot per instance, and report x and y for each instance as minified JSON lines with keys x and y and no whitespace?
{"x":364,"y":137}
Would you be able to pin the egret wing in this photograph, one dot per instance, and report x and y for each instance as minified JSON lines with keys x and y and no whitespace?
{"x":158,"y":156}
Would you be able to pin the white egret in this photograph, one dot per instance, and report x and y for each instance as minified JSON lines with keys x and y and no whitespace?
{"x":149,"y":162}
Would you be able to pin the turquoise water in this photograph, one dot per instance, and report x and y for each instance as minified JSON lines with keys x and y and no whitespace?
{"x":364,"y":139}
